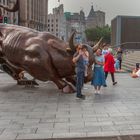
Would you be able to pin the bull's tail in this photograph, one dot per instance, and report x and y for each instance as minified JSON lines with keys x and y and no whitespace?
{"x":15,"y":8}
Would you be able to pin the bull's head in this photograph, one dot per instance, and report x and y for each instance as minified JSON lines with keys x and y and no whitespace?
{"x":13,"y":9}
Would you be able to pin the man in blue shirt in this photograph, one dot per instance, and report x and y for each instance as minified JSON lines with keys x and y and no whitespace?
{"x":80,"y":71}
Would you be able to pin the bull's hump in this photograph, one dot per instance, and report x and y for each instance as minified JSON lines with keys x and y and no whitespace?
{"x":16,"y":27}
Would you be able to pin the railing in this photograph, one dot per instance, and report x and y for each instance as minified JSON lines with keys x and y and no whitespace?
{"x":123,"y":45}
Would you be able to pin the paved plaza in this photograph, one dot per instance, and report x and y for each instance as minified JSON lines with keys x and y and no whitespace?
{"x":44,"y":112}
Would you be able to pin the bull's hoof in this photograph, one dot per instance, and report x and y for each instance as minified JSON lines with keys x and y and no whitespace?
{"x":27,"y":82}
{"x":68,"y":89}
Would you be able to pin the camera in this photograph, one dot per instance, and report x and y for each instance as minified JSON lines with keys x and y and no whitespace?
{"x":137,"y":66}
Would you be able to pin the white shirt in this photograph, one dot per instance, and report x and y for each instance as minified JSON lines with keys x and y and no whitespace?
{"x":138,"y":73}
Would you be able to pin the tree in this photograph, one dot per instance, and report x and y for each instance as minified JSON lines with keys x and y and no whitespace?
{"x":94,"y":34}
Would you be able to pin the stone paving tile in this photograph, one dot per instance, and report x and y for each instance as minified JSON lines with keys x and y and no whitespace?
{"x":100,"y":134}
{"x":19,"y":131}
{"x":98,"y":123}
{"x":34,"y":136}
{"x":55,"y":120}
{"x":130,"y":132}
{"x":92,"y":119}
{"x":69,"y":135}
{"x":39,"y":125}
{"x":52,"y":130}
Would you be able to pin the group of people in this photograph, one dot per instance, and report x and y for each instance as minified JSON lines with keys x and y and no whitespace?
{"x":104,"y":64}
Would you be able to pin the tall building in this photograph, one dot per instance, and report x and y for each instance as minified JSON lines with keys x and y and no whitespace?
{"x":33,"y":14}
{"x":125,"y":32}
{"x":56,"y":23}
{"x":76,"y":22}
{"x":95,"y":18}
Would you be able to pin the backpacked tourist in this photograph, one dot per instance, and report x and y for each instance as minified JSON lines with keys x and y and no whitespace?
{"x":109,"y":66}
{"x":119,"y":57}
{"x":78,"y":59}
{"x":117,"y":64}
{"x":98,"y":79}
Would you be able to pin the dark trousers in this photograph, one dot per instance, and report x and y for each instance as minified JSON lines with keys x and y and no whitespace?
{"x":112,"y":76}
{"x":79,"y":82}
{"x":120,"y":61}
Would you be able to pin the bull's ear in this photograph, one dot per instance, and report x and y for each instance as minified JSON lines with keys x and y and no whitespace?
{"x":15,"y":8}
{"x":97,"y":45}
{"x":72,"y":47}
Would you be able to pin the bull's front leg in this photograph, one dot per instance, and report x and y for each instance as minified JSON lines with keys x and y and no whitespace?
{"x":63,"y":85}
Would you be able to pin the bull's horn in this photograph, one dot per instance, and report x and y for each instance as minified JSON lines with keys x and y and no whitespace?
{"x":13,"y":9}
{"x":71,"y":43}
{"x":97,"y":45}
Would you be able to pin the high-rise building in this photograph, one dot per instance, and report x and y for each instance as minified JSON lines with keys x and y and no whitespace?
{"x":125,"y":31}
{"x":56,"y":23}
{"x":95,"y":18}
{"x":76,"y":22}
{"x":33,"y":14}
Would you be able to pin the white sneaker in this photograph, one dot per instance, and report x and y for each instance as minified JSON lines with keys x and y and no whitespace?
{"x":98,"y":92}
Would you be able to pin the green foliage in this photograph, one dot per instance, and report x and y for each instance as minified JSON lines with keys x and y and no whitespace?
{"x":94,"y":34}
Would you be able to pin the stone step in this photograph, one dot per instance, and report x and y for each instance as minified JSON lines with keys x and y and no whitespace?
{"x":129,"y":60}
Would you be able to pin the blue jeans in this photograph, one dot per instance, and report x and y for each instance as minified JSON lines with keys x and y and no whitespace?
{"x":79,"y":82}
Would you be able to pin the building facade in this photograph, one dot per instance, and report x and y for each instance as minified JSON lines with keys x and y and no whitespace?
{"x":33,"y":14}
{"x":76,"y":22}
{"x":95,"y":18}
{"x":56,"y":23}
{"x":125,"y":32}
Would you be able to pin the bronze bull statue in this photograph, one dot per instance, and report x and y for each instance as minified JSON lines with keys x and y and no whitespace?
{"x":41,"y":54}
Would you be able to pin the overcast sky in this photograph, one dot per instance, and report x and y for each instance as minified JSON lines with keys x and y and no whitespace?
{"x":112,"y":8}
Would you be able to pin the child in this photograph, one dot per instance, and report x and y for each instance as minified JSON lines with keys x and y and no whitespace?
{"x":117,"y":65}
{"x":86,"y":60}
